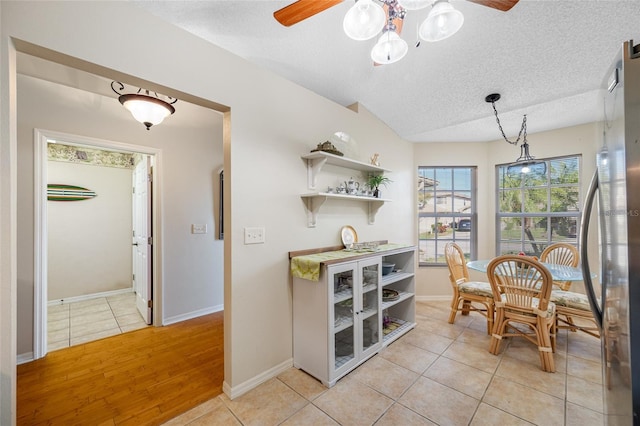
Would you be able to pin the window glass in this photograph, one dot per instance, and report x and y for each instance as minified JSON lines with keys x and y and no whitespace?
{"x":446,"y":212}
{"x":536,"y":209}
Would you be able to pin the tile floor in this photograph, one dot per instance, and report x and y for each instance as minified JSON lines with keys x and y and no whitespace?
{"x":437,"y":374}
{"x":74,"y":323}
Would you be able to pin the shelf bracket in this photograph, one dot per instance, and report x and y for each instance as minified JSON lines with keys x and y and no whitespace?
{"x":313,"y":168}
{"x":374,"y":206}
{"x":313,"y":206}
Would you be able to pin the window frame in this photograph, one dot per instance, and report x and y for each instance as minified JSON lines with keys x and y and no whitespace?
{"x":548,"y":214}
{"x":472,"y":215}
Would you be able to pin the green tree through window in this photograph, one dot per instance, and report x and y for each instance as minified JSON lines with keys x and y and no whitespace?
{"x":535,"y":209}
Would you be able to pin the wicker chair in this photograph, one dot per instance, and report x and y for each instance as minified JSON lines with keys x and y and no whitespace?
{"x":521,"y":290}
{"x":466,"y":292}
{"x":569,"y":305}
{"x":561,"y":254}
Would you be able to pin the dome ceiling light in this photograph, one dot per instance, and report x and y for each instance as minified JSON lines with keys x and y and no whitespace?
{"x":149,"y":109}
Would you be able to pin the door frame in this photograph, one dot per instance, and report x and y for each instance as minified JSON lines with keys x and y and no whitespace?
{"x":41,"y":138}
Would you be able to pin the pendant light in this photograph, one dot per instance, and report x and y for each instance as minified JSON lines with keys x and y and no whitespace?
{"x":442,"y":22}
{"x":390,"y":47}
{"x":414,"y":4}
{"x":525,"y":163}
{"x":146,"y":108}
{"x":364,"y":20}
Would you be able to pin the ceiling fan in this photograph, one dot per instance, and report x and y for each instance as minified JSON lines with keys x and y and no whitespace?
{"x":302,"y":9}
{"x":366,"y":18}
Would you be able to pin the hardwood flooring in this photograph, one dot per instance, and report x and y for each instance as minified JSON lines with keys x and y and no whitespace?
{"x":144,"y":377}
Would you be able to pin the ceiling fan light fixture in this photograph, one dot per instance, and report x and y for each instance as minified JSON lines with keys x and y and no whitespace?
{"x":147,"y":109}
{"x":390,"y":48}
{"x":442,"y":22}
{"x":414,"y":4}
{"x":364,"y":20}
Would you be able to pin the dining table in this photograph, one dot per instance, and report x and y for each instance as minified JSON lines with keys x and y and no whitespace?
{"x":558,"y":272}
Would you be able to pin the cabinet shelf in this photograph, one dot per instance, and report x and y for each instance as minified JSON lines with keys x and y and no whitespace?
{"x":401,"y":328}
{"x":395,"y":277}
{"x":402,"y":296}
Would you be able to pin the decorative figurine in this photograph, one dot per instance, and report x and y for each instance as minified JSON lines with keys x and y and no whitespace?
{"x":374,"y":159}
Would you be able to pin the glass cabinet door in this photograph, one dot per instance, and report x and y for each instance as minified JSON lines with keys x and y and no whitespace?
{"x":343,"y":312}
{"x":369,"y":315}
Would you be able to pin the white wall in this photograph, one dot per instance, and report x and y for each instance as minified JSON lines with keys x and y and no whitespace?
{"x":433,"y":282}
{"x":89,"y":241}
{"x":272,"y":123}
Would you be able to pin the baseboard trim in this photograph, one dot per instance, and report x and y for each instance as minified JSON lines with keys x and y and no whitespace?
{"x":24,"y":358}
{"x":193,"y":314}
{"x":242,"y":388}
{"x":433,"y":298}
{"x":89,"y":296}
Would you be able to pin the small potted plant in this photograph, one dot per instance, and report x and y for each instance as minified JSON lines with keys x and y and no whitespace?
{"x":374,"y":183}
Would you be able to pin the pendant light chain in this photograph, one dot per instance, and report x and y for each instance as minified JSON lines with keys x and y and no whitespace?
{"x":523,"y":129}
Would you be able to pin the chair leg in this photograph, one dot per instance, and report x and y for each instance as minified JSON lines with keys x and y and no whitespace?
{"x":466,"y":307}
{"x":545,"y":347}
{"x":496,"y":336}
{"x":490,"y":318}
{"x":454,"y":309}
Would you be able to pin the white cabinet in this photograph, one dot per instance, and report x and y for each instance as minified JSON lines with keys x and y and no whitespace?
{"x":338,"y":320}
{"x":314,"y":200}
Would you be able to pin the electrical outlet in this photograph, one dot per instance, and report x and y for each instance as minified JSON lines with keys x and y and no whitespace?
{"x":254,"y":235}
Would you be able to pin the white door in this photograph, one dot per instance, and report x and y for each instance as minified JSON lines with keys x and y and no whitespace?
{"x":142,"y":237}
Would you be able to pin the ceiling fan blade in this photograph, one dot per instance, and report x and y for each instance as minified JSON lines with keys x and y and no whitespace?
{"x":503,"y":5}
{"x":301,"y":10}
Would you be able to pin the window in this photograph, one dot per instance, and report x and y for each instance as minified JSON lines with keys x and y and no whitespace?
{"x":537,"y":209}
{"x":446,"y":212}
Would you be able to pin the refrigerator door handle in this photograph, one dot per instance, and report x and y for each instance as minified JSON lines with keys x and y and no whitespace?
{"x":584,"y":232}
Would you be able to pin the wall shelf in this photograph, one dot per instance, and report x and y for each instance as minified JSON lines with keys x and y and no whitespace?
{"x":317,"y":160}
{"x":314,"y":200}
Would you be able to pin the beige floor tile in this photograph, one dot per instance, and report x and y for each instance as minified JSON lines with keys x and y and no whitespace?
{"x":399,"y":415}
{"x":124,"y":307}
{"x":340,"y":402}
{"x":133,"y":327}
{"x":458,"y":376}
{"x":57,"y":315}
{"x":129,"y":319}
{"x":55,"y":325}
{"x":491,"y":416}
{"x":584,"y":346}
{"x":268,"y":404}
{"x":384,"y":376}
{"x":57,"y":309}
{"x":219,"y":417}
{"x":58,"y":335}
{"x":438,"y":403}
{"x":54,"y":346}
{"x":524,"y":402}
{"x":581,"y":416}
{"x":478,"y":358}
{"x":426,"y":340}
{"x":87,"y":318}
{"x":122,"y":296}
{"x":88,"y":309}
{"x":440,"y":327}
{"x":301,"y":382}
{"x":527,"y":353}
{"x":584,"y":393}
{"x":532,"y":376}
{"x":408,"y":356}
{"x":206,"y":407}
{"x":309,"y":415}
{"x":80,"y":329}
{"x":478,"y":338}
{"x":94,"y":336}
{"x":584,"y":369}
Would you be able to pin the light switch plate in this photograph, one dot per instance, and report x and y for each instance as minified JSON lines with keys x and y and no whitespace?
{"x":198,"y":228}
{"x":254,"y":235}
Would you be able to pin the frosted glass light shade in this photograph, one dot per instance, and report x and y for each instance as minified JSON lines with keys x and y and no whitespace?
{"x":364,"y":20}
{"x":414,"y":4}
{"x":390,"y":48}
{"x":146,"y":109}
{"x":443,"y":21}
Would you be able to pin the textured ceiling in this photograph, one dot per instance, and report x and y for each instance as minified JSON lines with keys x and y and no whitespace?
{"x":546,"y":58}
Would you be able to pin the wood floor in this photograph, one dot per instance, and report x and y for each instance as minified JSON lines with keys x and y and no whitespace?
{"x":144,"y":377}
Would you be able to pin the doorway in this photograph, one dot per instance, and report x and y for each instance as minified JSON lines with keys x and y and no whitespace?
{"x":134,"y":265}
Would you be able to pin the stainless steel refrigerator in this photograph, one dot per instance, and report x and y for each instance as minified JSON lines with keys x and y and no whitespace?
{"x":613,"y":200}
